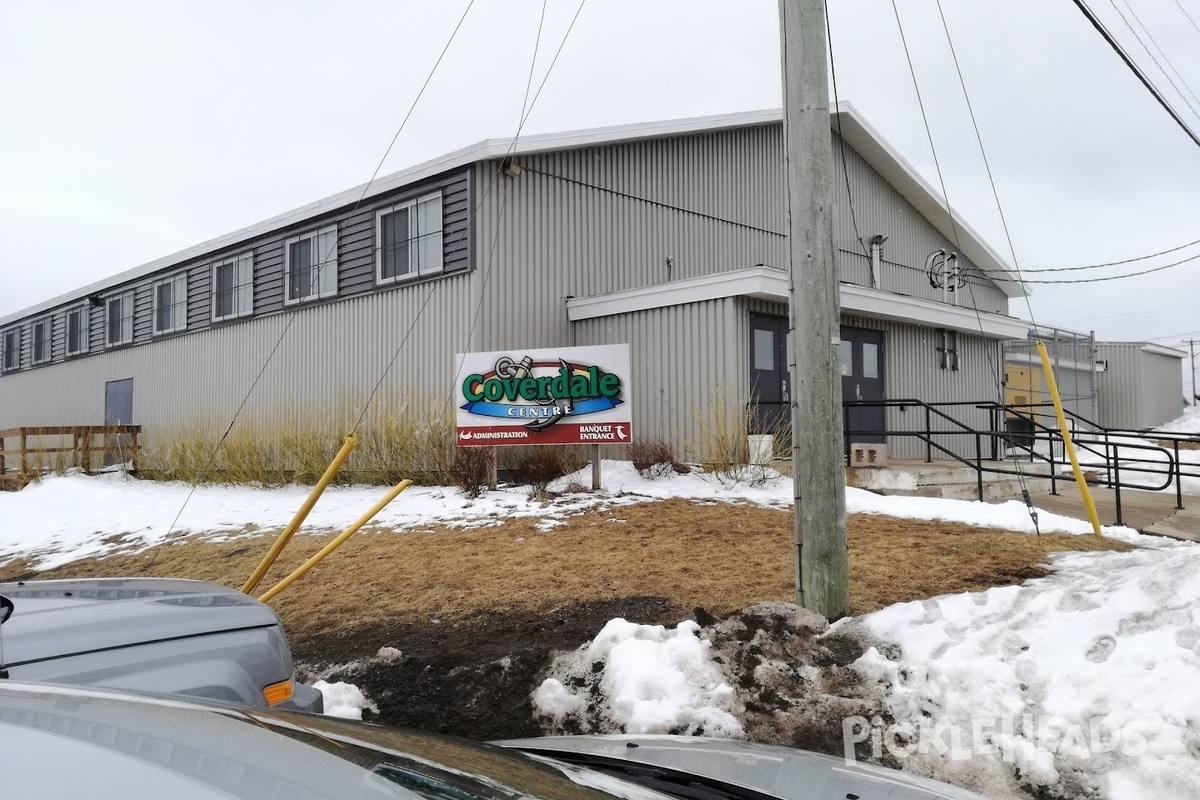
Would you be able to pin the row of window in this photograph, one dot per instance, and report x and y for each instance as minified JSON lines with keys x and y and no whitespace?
{"x":408,"y":244}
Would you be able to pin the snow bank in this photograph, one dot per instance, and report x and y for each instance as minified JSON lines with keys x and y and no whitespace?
{"x":642,"y":679}
{"x":1087,"y":681}
{"x":1012,"y":515}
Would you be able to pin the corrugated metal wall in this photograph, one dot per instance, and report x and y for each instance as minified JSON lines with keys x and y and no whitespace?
{"x":1162,"y":392}
{"x":687,"y":361}
{"x":1120,"y":385}
{"x":605,"y":219}
{"x":329,"y":359}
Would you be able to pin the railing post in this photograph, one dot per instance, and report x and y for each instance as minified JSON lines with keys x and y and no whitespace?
{"x":1178,"y":480}
{"x":979,"y":465}
{"x":995,"y":427}
{"x":24,"y":457}
{"x":928,"y":438}
{"x":1053,"y":466}
{"x":1116,"y":462}
{"x":1108,"y":459}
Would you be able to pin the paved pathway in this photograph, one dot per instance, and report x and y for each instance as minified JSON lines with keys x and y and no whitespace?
{"x":1148,"y":512}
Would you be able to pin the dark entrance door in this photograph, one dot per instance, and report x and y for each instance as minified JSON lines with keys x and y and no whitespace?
{"x":862,"y":379}
{"x":769,"y":389}
{"x":118,"y":410}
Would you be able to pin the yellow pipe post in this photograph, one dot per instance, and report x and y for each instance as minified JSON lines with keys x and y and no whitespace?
{"x":1068,"y":445}
{"x":336,"y":543}
{"x":301,"y":513}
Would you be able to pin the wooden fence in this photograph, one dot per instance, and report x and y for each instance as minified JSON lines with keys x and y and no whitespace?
{"x":28,"y":452}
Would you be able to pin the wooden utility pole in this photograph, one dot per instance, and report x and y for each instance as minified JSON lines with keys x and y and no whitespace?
{"x":819,"y":479}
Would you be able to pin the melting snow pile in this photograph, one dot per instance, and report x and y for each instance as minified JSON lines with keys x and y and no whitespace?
{"x":343,"y":700}
{"x":1082,"y":684}
{"x":641,"y":679}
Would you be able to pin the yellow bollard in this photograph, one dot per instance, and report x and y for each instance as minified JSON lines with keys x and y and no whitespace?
{"x":307,"y":506}
{"x":1068,"y":445}
{"x":336,"y":543}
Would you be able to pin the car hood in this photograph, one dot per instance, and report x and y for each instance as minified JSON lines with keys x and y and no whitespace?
{"x":63,"y":743}
{"x":54,"y":619}
{"x":776,"y":771}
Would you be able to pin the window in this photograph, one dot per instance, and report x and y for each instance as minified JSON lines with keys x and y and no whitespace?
{"x":233,"y":287}
{"x":119,"y":319}
{"x":41,"y":330}
{"x":409,"y":239}
{"x":10,"y":344}
{"x":310,"y":266}
{"x":948,"y":348}
{"x":170,"y":304}
{"x":77,"y":330}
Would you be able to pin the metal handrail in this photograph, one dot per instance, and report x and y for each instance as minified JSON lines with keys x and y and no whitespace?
{"x":1097,"y":442}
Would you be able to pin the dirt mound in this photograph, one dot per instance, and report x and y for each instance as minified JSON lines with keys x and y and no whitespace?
{"x":793,"y":676}
{"x":470,"y":678}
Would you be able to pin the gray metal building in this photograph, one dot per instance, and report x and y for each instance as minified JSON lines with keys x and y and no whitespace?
{"x":668,"y":236}
{"x":1140,"y":384}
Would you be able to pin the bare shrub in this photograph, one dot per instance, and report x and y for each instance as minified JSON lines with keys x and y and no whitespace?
{"x":654,"y":459}
{"x":471,"y":468}
{"x":537,"y":467}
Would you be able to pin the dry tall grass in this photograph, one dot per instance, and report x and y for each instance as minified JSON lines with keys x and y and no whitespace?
{"x":409,"y":439}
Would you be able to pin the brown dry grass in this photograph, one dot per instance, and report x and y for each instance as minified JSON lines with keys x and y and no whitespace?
{"x":721,"y":557}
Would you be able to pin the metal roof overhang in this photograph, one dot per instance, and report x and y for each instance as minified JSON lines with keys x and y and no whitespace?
{"x":769,"y":283}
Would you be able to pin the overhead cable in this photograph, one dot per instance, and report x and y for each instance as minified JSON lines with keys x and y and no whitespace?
{"x":1141,"y":76}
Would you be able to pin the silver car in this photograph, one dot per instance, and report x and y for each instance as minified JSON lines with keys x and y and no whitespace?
{"x":63,"y":743}
{"x":150,"y":635}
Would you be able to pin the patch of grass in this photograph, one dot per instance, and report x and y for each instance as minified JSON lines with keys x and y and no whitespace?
{"x":720,"y":557}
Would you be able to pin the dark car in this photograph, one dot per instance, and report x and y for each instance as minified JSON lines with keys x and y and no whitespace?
{"x":151,"y":635}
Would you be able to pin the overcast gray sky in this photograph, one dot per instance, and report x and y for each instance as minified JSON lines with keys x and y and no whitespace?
{"x":130,"y":130}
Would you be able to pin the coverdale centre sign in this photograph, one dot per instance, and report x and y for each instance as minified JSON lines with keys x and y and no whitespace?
{"x":566,"y":395}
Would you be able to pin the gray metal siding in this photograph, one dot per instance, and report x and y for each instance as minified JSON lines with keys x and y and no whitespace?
{"x":879,"y":209}
{"x":683,"y":358}
{"x":1162,"y":392}
{"x":605,"y":219}
{"x":1120,"y":385}
{"x":356,"y":266}
{"x":326,"y":365}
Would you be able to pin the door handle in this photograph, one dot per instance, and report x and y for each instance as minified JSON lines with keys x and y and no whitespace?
{"x":783,"y":389}
{"x":858,"y":391}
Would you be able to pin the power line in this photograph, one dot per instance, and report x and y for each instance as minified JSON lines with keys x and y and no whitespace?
{"x":525,"y":112}
{"x":1123,"y":276}
{"x":993,"y":366}
{"x":1130,"y":313}
{"x":1189,"y":16}
{"x":1173,"y":335}
{"x":841,"y":140}
{"x":1157,"y":64}
{"x":1108,"y":264}
{"x":1164,"y":56}
{"x":986,"y":163}
{"x":1141,"y":76}
{"x":292,"y":316}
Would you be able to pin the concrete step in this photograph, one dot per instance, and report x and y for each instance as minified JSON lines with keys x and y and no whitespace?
{"x":992,"y":490}
{"x":934,"y":480}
